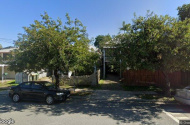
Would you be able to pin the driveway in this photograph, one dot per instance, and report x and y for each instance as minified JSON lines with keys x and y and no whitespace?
{"x":100,"y":108}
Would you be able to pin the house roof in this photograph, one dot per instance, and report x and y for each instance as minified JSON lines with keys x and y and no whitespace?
{"x":93,"y":47}
{"x":109,"y":44}
{"x":7,"y":49}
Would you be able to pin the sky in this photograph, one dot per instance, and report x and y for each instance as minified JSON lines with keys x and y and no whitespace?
{"x":101,"y":17}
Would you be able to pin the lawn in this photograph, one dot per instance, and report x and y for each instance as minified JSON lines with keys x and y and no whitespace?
{"x":84,"y":86}
{"x":7,"y":83}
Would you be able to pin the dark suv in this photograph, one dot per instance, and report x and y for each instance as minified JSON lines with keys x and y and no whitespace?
{"x":38,"y":90}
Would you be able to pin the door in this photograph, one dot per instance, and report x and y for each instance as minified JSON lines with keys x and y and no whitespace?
{"x":26,"y":90}
{"x":38,"y":92}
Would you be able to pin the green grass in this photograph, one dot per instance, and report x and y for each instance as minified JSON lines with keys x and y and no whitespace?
{"x":99,"y":86}
{"x":12,"y":83}
{"x":101,"y":81}
{"x":66,"y":86}
{"x":8,"y":84}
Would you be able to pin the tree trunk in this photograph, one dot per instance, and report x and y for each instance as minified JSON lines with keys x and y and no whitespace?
{"x":167,"y":89}
{"x":56,"y":78}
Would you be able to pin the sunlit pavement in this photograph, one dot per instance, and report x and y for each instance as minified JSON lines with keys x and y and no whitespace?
{"x":90,"y":110}
{"x":177,"y":111}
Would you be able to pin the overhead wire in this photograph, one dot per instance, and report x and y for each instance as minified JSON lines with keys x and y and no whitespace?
{"x":6,"y":40}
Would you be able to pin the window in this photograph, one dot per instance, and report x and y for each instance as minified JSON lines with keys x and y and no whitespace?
{"x":36,"y":86}
{"x":6,"y":56}
{"x":26,"y":85}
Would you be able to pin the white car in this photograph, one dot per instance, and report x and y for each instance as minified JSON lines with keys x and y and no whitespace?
{"x":183,"y":95}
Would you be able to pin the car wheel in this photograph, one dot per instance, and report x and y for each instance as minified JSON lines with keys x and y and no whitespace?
{"x":16,"y":98}
{"x":49,"y":100}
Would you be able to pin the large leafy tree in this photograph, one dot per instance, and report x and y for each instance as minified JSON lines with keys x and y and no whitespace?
{"x":101,"y":40}
{"x":184,"y":11}
{"x":156,"y":43}
{"x":48,"y":44}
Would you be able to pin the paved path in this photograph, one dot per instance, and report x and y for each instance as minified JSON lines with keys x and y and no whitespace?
{"x":111,"y":83}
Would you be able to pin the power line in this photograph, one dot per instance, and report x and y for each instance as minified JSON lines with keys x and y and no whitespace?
{"x":6,"y":40}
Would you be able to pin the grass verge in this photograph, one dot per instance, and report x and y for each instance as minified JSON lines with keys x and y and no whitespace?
{"x":8,"y":83}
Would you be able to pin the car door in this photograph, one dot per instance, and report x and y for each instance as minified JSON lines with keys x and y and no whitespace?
{"x":25,"y":90}
{"x":38,"y":91}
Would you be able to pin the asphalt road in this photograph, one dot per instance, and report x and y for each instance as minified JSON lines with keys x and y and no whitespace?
{"x":84,"y":111}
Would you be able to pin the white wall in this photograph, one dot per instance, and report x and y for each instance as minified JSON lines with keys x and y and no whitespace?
{"x":11,"y":74}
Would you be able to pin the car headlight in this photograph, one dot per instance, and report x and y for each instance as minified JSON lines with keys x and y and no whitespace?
{"x":59,"y":93}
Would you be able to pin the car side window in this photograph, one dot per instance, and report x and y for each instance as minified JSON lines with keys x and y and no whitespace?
{"x":26,"y":85}
{"x":36,"y":86}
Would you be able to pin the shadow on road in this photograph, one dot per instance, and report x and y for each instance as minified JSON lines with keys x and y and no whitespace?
{"x":124,"y":112}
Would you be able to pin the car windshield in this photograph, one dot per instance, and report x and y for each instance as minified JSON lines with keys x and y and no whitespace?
{"x":49,"y":85}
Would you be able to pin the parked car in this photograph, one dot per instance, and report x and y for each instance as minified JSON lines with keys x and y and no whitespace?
{"x":38,"y":90}
{"x":183,"y":95}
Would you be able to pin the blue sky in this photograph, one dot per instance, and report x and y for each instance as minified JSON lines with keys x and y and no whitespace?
{"x":101,"y":17}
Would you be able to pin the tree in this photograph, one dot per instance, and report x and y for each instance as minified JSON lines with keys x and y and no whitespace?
{"x":125,"y":27}
{"x":1,"y":46}
{"x":184,"y":11}
{"x":48,"y":44}
{"x":157,"y":43}
{"x":100,"y":40}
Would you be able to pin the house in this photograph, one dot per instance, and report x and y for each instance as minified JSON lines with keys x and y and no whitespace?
{"x":4,"y":72}
{"x":26,"y":76}
{"x":109,"y":61}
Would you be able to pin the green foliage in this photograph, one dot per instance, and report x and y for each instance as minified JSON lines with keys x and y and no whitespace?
{"x":184,"y":12}
{"x":48,"y":44}
{"x":125,"y":27}
{"x":156,"y":43}
{"x":100,"y":40}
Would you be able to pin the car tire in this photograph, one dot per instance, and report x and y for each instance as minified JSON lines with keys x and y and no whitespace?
{"x":16,"y":97}
{"x":49,"y":100}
